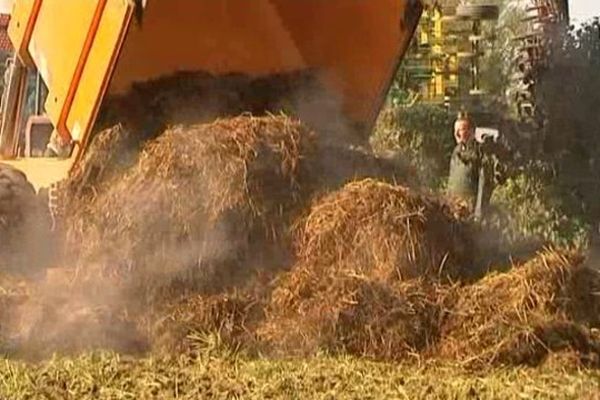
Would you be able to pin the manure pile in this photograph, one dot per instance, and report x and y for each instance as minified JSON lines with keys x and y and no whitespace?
{"x":546,"y":305}
{"x":203,"y":204}
{"x":354,"y":296}
{"x":205,"y":208}
{"x":387,"y":231}
{"x":265,"y":232}
{"x":370,"y":259}
{"x":372,"y":269}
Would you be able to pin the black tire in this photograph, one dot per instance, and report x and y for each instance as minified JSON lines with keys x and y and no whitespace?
{"x":24,"y":223}
{"x":478,"y":11}
{"x":16,"y":196}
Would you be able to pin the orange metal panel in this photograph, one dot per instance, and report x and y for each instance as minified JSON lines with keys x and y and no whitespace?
{"x":356,"y":44}
{"x":57,"y":50}
{"x":23,"y":19}
{"x":82,"y":64}
{"x":215,"y":36}
{"x":98,"y":68}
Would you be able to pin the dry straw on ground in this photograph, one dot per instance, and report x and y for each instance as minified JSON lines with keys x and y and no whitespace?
{"x":202,"y":201}
{"x":232,"y":316}
{"x":187,"y":215}
{"x":363,"y":284}
{"x":519,"y":317}
{"x":359,"y":316}
{"x":199,"y":209}
{"x":390,"y":231}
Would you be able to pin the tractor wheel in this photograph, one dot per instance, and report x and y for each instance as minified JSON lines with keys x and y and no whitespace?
{"x":24,"y":223}
{"x":478,"y":11}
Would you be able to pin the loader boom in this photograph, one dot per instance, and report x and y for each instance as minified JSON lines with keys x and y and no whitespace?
{"x":89,"y":50}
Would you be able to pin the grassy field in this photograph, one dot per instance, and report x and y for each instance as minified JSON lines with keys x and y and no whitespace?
{"x":110,"y":376}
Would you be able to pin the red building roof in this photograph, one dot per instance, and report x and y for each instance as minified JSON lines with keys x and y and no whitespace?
{"x":5,"y":44}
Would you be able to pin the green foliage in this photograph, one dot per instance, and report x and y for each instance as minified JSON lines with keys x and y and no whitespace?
{"x":423,"y":135}
{"x":531,"y":208}
{"x":555,"y":194}
{"x":569,"y":94}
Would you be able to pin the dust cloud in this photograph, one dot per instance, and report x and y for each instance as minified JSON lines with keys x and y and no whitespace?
{"x":172,"y":201}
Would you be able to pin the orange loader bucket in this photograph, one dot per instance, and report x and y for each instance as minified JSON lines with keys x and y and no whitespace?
{"x":90,"y":50}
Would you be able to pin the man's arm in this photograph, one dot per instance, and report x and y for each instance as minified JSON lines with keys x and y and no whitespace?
{"x":468,"y":153}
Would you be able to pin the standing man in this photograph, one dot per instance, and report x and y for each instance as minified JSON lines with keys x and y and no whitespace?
{"x":465,"y":162}
{"x":475,"y":167}
{"x":469,"y":176}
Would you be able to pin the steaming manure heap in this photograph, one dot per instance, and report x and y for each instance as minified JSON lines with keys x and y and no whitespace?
{"x":227,"y":228}
{"x":384,"y":301}
{"x":265,"y":232}
{"x":199,"y":211}
{"x":374,"y":270}
{"x":205,"y":200}
{"x":395,"y":231}
{"x":549,"y":304}
{"x":371,"y":259}
{"x":175,"y":208}
{"x":232,"y":317}
{"x":166,"y":188}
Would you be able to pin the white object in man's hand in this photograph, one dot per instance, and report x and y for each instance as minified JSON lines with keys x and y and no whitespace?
{"x":483,"y":134}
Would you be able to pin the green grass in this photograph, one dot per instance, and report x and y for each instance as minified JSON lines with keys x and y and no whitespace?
{"x":109,"y":376}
